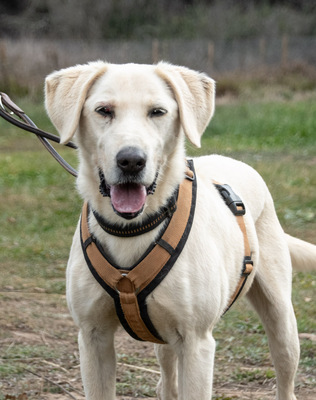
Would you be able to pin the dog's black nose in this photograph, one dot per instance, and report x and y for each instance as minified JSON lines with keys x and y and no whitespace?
{"x":131,"y":159}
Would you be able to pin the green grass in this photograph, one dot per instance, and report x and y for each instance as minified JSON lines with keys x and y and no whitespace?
{"x":39,"y":209}
{"x":15,"y":360}
{"x":256,"y":127}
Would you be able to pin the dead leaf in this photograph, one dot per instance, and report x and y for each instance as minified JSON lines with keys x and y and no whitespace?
{"x":309,"y":336}
{"x":22,"y":396}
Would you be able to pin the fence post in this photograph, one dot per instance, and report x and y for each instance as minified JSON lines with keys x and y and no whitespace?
{"x":155,"y":51}
{"x":210,"y":55}
{"x":3,"y":60}
{"x":262,"y":50}
{"x":52,"y":56}
{"x":284,"y":50}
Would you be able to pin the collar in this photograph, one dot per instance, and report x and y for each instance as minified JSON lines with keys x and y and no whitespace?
{"x":136,"y":229}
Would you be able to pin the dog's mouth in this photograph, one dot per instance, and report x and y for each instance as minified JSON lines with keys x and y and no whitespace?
{"x":128,"y":199}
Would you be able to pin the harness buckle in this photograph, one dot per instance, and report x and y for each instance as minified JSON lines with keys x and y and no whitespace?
{"x":247,"y":266}
{"x":189,"y":175}
{"x":232,"y":200}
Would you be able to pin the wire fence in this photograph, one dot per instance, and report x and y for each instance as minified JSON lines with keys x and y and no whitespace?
{"x":30,"y":60}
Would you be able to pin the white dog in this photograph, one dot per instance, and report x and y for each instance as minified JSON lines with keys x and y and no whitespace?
{"x":130,"y":123}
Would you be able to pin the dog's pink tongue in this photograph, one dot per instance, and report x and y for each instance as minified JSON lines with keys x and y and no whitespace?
{"x":128,"y":198}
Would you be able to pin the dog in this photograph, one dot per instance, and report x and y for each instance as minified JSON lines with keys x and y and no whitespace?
{"x":130,"y":123}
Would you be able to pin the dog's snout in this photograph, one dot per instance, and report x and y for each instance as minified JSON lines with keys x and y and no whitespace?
{"x":131,"y":159}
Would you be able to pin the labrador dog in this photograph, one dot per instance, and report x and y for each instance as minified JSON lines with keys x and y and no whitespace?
{"x":130,"y":122}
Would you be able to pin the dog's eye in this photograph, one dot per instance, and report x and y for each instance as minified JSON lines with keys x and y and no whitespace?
{"x":157,"y":112}
{"x":105,"y":111}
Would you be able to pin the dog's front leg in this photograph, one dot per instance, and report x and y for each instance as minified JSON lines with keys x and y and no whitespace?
{"x":196,"y":360}
{"x":167,"y":388}
{"x":98,"y":363}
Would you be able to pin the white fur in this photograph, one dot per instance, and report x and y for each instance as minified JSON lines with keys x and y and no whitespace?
{"x":190,"y":300}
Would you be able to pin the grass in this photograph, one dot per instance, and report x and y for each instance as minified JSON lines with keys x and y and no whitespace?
{"x":258,"y":127}
{"x":40,"y":208}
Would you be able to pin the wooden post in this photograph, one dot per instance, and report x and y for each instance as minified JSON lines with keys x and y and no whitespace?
{"x":262,"y":50}
{"x":4,"y":75}
{"x":284,"y":50}
{"x":52,"y":56}
{"x":155,"y":51}
{"x":165,"y":51}
{"x":210,"y":55}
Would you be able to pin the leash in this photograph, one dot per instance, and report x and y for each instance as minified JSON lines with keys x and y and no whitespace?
{"x":9,"y":111}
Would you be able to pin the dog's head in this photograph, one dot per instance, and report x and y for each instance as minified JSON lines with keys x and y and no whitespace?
{"x":129,"y":121}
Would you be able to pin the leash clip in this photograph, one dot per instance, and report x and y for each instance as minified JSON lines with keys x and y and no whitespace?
{"x":232,"y":200}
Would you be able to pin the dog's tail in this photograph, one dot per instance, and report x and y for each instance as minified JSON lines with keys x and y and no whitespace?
{"x":303,"y":254}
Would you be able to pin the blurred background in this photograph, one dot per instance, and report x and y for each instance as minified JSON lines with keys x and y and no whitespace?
{"x":262,"y":39}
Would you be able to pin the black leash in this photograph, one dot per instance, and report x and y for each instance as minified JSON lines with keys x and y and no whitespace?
{"x":27,"y":124}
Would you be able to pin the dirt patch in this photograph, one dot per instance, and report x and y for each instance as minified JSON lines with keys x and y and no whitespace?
{"x":39,"y":357}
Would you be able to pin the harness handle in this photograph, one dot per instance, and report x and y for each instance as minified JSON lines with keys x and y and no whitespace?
{"x":237,"y":207}
{"x":28,"y":125}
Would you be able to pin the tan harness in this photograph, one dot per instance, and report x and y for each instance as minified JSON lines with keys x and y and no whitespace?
{"x":130,"y":287}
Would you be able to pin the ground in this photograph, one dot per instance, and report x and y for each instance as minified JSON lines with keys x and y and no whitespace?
{"x":45,"y":365}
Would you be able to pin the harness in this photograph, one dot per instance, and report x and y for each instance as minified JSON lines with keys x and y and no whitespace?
{"x":130,"y":287}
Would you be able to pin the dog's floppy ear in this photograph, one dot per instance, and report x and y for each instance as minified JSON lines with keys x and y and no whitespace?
{"x":65,"y":93}
{"x":195,"y":95}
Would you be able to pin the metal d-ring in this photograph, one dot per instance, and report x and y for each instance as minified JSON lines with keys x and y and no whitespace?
{"x":125,"y":275}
